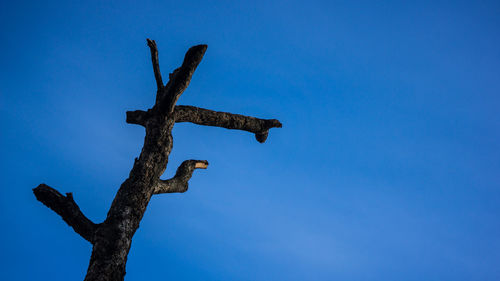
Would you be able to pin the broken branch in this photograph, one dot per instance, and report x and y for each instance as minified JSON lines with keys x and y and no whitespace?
{"x":138,"y":117}
{"x":66,"y":207}
{"x":179,"y":183}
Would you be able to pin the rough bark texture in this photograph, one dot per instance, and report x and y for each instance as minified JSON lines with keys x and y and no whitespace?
{"x":66,"y":207}
{"x":179,"y":183}
{"x":200,"y":116}
{"x":112,"y":238}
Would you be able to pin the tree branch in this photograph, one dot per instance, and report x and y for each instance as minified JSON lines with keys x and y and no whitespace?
{"x":156,"y":64}
{"x":179,"y":183}
{"x":138,"y":117}
{"x":201,"y":116}
{"x":180,"y":78}
{"x":66,"y":207}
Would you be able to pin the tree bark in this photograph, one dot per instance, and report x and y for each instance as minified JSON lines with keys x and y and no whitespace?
{"x":112,"y":238}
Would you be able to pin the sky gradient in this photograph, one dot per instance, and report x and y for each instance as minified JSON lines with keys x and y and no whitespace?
{"x":387,"y":166}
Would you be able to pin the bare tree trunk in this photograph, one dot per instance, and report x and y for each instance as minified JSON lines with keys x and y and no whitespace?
{"x":112,"y":238}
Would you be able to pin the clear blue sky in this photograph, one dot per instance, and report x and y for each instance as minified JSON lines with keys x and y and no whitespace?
{"x":387,"y":166}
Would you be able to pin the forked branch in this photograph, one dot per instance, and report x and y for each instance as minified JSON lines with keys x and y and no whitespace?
{"x":179,"y":80}
{"x":66,"y":207}
{"x":179,"y":183}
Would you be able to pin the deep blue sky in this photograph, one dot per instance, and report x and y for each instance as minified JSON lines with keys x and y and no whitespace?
{"x":387,"y":166}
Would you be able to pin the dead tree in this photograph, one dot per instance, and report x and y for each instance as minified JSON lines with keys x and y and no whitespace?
{"x":112,"y":238}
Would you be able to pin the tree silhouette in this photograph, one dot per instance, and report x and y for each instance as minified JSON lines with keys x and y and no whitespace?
{"x":112,"y":238}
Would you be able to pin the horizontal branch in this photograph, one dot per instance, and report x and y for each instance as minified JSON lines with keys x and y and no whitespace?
{"x":138,"y":117}
{"x":66,"y":207}
{"x":156,"y":64}
{"x":179,"y":183}
{"x":200,"y":116}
